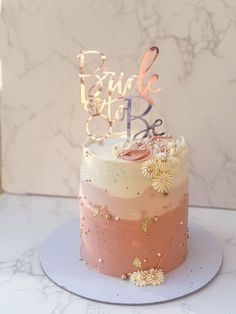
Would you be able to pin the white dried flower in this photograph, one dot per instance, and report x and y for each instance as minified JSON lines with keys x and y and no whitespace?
{"x":139,"y":278}
{"x":147,"y":277}
{"x":166,"y":163}
{"x":150,"y":168}
{"x":163,"y":182}
{"x":155,"y":276}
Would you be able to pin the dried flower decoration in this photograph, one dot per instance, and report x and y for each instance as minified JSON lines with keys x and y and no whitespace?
{"x":166,"y":163}
{"x":139,"y":278}
{"x":177,"y":149}
{"x":147,"y":277}
{"x":150,"y":168}
{"x":163,"y":182}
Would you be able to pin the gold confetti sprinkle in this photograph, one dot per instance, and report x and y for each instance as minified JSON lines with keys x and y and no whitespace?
{"x":145,"y":224}
{"x":137,"y":262}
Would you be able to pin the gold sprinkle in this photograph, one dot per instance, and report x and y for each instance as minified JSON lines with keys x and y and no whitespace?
{"x":145,"y":260}
{"x":145,"y":224}
{"x":99,"y":260}
{"x":171,"y":240}
{"x":155,"y":218}
{"x":158,"y":254}
{"x":188,"y":235}
{"x":137,"y":262}
{"x":181,"y":222}
{"x":123,"y":276}
{"x":117,"y":218}
{"x":108,"y":216}
{"x":164,"y":159}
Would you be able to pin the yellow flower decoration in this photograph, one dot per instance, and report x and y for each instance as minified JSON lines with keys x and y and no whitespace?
{"x":155,"y":276}
{"x":139,"y":278}
{"x":163,"y":182}
{"x":166,"y":163}
{"x":152,"y":276}
{"x":150,"y":168}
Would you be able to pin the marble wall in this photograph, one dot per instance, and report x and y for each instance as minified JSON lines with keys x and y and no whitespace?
{"x":43,"y":122}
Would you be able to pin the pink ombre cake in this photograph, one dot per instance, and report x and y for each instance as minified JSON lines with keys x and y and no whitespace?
{"x":134,"y":207}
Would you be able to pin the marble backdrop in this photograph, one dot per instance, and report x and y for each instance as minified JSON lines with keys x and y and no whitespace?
{"x":42,"y":119}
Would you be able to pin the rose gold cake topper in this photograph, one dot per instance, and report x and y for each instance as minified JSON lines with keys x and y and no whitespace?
{"x":108,"y":91}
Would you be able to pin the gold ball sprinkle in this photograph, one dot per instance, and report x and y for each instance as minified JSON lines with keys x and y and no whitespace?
{"x":108,"y":216}
{"x":117,"y":218}
{"x":144,"y":260}
{"x":181,"y":222}
{"x":156,"y":218}
{"x":171,"y":240}
{"x":99,"y":260}
{"x":123,"y":277}
{"x":158,"y":254}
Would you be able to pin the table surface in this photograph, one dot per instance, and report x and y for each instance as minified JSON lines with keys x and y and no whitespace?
{"x":25,"y":221}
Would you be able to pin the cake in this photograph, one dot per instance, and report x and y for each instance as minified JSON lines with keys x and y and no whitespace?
{"x":134,"y":205}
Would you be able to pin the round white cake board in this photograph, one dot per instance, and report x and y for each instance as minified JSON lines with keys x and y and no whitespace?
{"x":60,"y":260}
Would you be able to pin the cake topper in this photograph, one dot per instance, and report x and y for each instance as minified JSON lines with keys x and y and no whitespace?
{"x":107,"y":98}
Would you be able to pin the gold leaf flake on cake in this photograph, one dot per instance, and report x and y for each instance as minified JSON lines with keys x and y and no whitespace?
{"x":96,"y":212}
{"x":150,"y":168}
{"x":163,"y":182}
{"x":145,"y":223}
{"x":152,"y":276}
{"x":137,"y":262}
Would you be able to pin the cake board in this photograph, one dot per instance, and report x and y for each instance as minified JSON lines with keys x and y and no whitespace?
{"x":61,"y":262}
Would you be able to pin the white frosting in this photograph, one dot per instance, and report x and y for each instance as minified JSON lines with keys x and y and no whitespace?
{"x":120,"y":178}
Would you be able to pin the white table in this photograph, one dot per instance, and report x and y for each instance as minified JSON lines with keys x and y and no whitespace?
{"x":25,"y":221}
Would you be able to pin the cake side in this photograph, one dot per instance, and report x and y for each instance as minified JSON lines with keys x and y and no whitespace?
{"x":134,"y":205}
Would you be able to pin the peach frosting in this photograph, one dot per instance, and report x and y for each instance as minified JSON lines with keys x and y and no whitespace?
{"x":110,"y":245}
